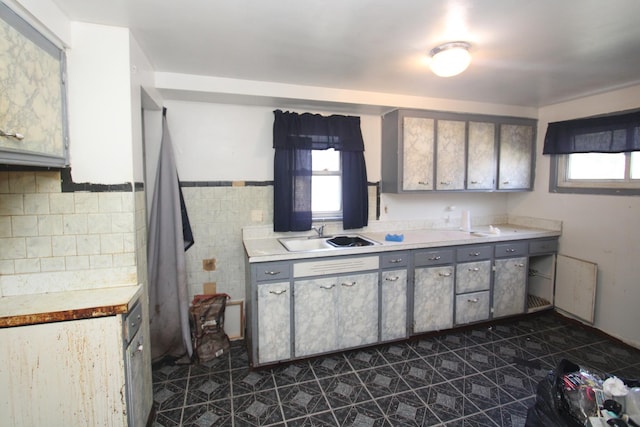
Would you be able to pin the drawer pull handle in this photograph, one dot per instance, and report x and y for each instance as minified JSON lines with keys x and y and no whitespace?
{"x":435,"y":258}
{"x":445,"y":274}
{"x":505,"y":182}
{"x":473,"y":300}
{"x":445,"y":182}
{"x":474,"y":253}
{"x":474,"y":269}
{"x":15,"y":135}
{"x":272,"y":273}
{"x":423,"y":182}
{"x":328,"y":286}
{"x":392,"y":279}
{"x":280,"y":292}
{"x":520,"y":265}
{"x":348,"y":284}
{"x":395,"y":261}
{"x":475,"y":182}
{"x":511,"y":250}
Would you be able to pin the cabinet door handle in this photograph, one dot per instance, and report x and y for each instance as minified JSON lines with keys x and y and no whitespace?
{"x":473,"y":300}
{"x":395,"y":261}
{"x":348,"y":284}
{"x":505,"y":182}
{"x":272,"y":273}
{"x":280,"y":292}
{"x":331,"y":286}
{"x":15,"y":135}
{"x":392,"y":279}
{"x":435,"y":258}
{"x":474,"y":253}
{"x":445,"y":274}
{"x":474,"y":269}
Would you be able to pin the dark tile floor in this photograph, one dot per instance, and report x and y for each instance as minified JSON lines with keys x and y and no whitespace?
{"x":480,"y":376}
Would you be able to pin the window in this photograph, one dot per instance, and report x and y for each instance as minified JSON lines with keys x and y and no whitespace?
{"x":599,"y":155}
{"x":322,"y":151}
{"x":599,"y":172}
{"x":326,"y":185}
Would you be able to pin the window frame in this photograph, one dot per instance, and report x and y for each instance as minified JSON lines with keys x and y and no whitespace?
{"x":614,"y":187}
{"x":328,"y":215}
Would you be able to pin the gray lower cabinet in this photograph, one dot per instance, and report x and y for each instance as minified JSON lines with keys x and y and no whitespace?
{"x":473,"y":283}
{"x":274,"y":318}
{"x":472,"y":307}
{"x":333,"y":313}
{"x":510,"y":287}
{"x":393,"y":295}
{"x":393,"y":310}
{"x":315,"y":306}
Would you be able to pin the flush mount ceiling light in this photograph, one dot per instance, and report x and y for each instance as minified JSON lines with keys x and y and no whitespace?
{"x":450,"y":59}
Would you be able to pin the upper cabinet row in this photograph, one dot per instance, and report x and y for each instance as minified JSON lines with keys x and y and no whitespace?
{"x":428,"y":150}
{"x":33,"y":104}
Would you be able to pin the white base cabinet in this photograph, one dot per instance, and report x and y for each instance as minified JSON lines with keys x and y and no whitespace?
{"x":72,"y":373}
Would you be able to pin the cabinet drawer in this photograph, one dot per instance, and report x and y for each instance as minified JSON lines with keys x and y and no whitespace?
{"x":543,"y":246}
{"x":472,"y":307}
{"x":272,"y":271}
{"x":394,"y":259}
{"x":438,"y":257}
{"x":511,"y":249}
{"x":473,"y":276}
{"x":474,"y":253}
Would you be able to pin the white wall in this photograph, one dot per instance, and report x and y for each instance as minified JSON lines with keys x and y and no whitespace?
{"x":600,"y":229}
{"x":222,"y":142}
{"x":100,"y":109}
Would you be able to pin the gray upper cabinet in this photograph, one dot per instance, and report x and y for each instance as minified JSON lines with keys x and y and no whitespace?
{"x":33,"y":107}
{"x":516,"y":157}
{"x":439,"y":151}
{"x":418,"y":155}
{"x":450,"y":161}
{"x":481,"y":161}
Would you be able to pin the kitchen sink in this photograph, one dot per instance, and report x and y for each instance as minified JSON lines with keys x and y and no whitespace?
{"x":310,"y":244}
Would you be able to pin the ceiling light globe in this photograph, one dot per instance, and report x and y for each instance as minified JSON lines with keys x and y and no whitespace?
{"x":450,"y":59}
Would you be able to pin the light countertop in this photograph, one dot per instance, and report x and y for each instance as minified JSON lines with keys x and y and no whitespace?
{"x":21,"y":310}
{"x":270,"y":249}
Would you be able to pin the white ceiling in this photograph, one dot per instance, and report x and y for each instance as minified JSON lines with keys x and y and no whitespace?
{"x":525,"y":52}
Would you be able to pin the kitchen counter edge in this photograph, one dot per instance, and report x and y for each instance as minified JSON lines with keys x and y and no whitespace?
{"x":32,"y":309}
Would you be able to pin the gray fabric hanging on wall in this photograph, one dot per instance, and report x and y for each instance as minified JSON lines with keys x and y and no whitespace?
{"x":169,"y":237}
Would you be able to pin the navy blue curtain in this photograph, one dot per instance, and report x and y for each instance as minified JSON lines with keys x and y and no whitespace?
{"x":617,"y":133}
{"x":294,"y":137}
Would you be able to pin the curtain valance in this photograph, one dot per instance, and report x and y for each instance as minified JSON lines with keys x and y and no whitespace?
{"x":316,"y":132}
{"x":608,"y":134}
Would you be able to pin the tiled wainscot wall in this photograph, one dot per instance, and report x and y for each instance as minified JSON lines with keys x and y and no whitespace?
{"x":56,"y":241}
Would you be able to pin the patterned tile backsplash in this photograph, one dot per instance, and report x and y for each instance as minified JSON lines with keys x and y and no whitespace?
{"x":52,"y":241}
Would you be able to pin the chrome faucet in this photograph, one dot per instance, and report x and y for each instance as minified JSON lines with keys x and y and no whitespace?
{"x":319,"y":230}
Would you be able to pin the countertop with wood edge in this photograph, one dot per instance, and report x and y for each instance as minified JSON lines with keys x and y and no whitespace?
{"x":22,"y":310}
